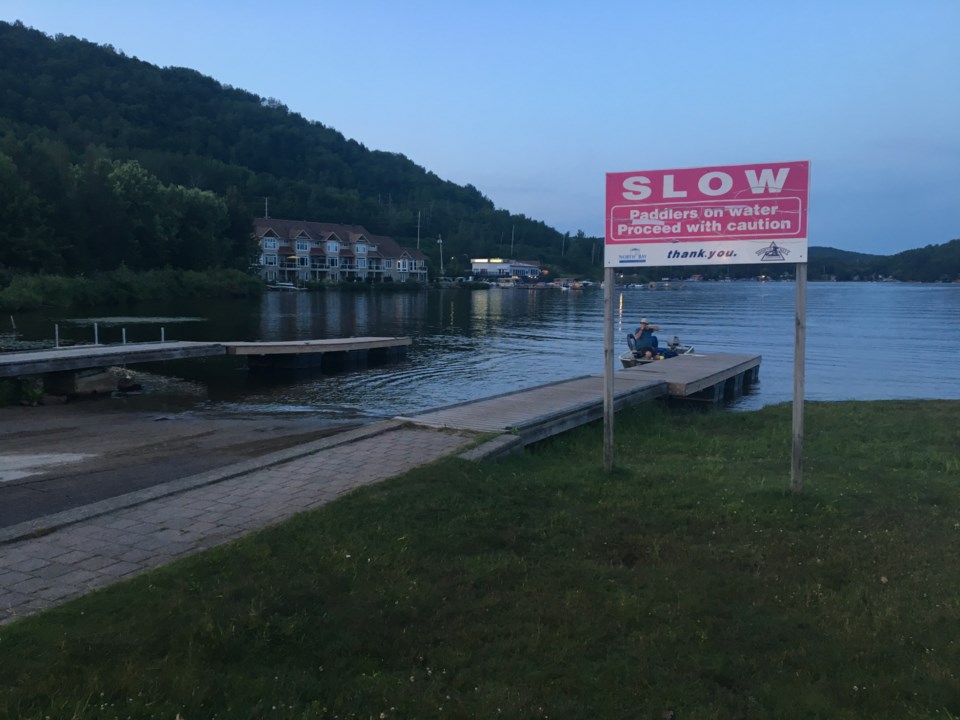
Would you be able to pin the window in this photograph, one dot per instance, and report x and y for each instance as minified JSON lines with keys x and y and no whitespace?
{"x":303,"y":244}
{"x":361,"y":264}
{"x":269,"y":259}
{"x":388,"y":264}
{"x":303,"y":262}
{"x":402,"y":265}
{"x":333,"y":246}
{"x":361,"y":249}
{"x":269,"y":243}
{"x":333,"y":262}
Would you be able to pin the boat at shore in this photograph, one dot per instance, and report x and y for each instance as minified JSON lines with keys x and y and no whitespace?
{"x":633,"y":357}
{"x":283,"y":287}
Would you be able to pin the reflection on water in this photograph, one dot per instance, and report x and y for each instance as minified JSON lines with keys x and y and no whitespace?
{"x":864,"y":341}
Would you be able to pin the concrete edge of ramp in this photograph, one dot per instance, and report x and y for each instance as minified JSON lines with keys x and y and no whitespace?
{"x":500,"y":446}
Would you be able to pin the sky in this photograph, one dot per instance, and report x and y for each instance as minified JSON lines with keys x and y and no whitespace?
{"x":533,"y":102}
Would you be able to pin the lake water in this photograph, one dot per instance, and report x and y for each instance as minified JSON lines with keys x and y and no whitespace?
{"x":865,"y":341}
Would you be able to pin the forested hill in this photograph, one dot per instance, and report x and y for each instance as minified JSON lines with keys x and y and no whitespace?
{"x":75,"y":117}
{"x":933,"y":263}
{"x":106,"y":160}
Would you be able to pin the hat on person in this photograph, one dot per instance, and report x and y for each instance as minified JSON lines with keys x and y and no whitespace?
{"x":643,"y":321}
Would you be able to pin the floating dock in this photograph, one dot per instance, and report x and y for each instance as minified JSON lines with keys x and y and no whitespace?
{"x":527,"y":416}
{"x":338,"y":353}
{"x":544,"y":410}
{"x":712,"y":378}
{"x":84,"y":357}
{"x":325,"y":355}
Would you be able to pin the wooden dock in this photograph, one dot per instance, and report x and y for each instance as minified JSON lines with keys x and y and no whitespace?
{"x":703,"y":377}
{"x":296,"y":347}
{"x":326,"y":355}
{"x":544,"y":410}
{"x":83,"y":357}
{"x":530,"y":415}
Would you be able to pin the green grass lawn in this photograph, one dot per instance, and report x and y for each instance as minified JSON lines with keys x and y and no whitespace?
{"x":689,"y":583}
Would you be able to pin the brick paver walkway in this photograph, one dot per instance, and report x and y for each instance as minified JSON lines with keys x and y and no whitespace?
{"x":88,"y":549}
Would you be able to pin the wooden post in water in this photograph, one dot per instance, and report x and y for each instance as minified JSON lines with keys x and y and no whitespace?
{"x":799,"y":343}
{"x":608,"y":369}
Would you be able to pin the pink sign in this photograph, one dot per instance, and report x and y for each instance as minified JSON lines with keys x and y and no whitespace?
{"x":714,"y":209}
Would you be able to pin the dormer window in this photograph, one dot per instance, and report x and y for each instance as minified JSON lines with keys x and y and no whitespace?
{"x":303,"y":244}
{"x":270,"y":243}
{"x":333,"y":246}
{"x":361,"y":249}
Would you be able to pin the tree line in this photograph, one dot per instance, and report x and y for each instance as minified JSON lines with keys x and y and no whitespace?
{"x":933,"y":263}
{"x":83,"y":126}
{"x":107,"y":161}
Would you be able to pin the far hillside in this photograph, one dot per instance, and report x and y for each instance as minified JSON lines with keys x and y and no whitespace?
{"x":107,"y":161}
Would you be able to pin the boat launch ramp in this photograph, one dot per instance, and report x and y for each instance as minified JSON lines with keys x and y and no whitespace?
{"x":518,"y":418}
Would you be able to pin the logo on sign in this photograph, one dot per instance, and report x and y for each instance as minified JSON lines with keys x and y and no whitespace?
{"x":773,"y":253}
{"x":633,"y":256}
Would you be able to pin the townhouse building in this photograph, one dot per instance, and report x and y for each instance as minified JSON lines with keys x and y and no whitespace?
{"x":298,"y":251}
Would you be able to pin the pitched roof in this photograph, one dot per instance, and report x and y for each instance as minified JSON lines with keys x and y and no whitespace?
{"x":316,"y":230}
{"x":289,"y":230}
{"x":389,"y":247}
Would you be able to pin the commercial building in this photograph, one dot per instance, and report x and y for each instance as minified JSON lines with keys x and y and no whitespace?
{"x":496,"y":268}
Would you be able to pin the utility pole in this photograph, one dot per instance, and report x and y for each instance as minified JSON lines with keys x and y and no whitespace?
{"x":512,"y":228}
{"x":266,"y":207}
{"x":440,"y":243}
{"x":418,"y":229}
